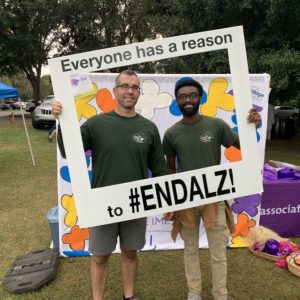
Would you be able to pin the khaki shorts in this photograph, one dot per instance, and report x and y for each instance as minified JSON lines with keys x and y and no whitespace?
{"x":103,"y":239}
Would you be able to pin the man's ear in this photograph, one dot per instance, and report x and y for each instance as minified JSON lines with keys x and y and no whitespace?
{"x":115,"y":91}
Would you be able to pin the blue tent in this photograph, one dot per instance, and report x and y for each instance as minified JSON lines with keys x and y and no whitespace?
{"x":8,"y":91}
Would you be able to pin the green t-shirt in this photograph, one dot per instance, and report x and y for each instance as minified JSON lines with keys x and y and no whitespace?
{"x":198,"y":145}
{"x":123,"y":148}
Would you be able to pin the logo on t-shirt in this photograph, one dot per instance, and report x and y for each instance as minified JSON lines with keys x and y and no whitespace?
{"x":139,"y":138}
{"x":207,"y":137}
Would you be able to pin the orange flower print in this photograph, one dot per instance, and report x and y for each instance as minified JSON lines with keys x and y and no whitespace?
{"x":243,"y":225}
{"x":105,"y":100}
{"x":233,"y":154}
{"x":76,"y":238}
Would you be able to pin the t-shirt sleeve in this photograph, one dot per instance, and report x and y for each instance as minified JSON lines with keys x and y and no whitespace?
{"x":60,"y":142}
{"x":168,"y":147}
{"x":86,"y":137}
{"x":86,"y":140}
{"x":228,"y":136}
{"x":156,"y":161}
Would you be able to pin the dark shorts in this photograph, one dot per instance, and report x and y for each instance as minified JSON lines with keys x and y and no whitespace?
{"x":103,"y":239}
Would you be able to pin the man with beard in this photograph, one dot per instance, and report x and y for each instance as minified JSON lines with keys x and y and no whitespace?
{"x":195,"y":142}
{"x":124,"y":145}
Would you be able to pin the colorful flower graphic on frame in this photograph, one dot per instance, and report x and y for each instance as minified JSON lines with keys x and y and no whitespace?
{"x":247,"y":204}
{"x":76,"y":238}
{"x":243,"y":225}
{"x":234,"y":121}
{"x":151,"y":99}
{"x":237,"y":242}
{"x":68,"y":203}
{"x":64,"y":171}
{"x":217,"y":98}
{"x":233,"y":154}
{"x":84,"y":109}
{"x":105,"y":101}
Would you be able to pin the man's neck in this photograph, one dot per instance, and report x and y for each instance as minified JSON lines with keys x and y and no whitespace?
{"x":191,"y":119}
{"x":128,"y":113}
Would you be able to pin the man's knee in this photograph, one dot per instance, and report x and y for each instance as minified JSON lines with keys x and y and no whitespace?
{"x":100,"y":260}
{"x":129,"y":254}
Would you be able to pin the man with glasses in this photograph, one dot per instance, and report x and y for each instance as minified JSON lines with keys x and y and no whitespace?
{"x":124,"y":146}
{"x":195,"y":142}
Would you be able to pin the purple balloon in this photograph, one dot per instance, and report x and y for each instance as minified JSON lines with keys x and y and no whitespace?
{"x":272,"y":247}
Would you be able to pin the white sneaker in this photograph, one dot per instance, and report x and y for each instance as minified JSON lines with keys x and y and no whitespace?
{"x":192,"y":296}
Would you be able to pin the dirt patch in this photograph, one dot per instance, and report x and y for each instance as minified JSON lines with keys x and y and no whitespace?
{"x":8,"y":116}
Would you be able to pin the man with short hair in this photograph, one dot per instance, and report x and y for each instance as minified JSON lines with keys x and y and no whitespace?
{"x":124,"y":145}
{"x":196,"y":142}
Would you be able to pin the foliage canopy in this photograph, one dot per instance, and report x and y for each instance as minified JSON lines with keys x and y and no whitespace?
{"x":30,"y":30}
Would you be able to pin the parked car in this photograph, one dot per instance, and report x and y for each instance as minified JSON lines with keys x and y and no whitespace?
{"x":286,"y":111}
{"x":42,"y":115}
{"x":15,"y":104}
{"x":18,"y":105}
{"x":10,"y":103}
{"x":4,"y":106}
{"x":30,"y":105}
{"x":49,"y":97}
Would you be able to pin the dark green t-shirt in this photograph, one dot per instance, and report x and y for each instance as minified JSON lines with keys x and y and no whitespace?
{"x":123,"y":148}
{"x":198,"y":145}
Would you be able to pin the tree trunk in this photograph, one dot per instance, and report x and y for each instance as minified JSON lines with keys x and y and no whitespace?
{"x":35,"y":83}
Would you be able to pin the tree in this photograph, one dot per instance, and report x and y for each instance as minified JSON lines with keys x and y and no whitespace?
{"x":284,"y":65}
{"x":103,"y":24}
{"x":20,"y":82}
{"x":29,"y":30}
{"x":46,"y":86}
{"x":271,"y":34}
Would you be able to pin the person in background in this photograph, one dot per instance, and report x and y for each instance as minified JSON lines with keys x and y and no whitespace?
{"x":124,"y":145}
{"x":51,"y":133}
{"x":271,"y":120}
{"x":195,"y":142}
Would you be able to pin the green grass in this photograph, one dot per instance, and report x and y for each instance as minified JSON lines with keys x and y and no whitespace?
{"x":284,"y":150}
{"x":28,"y":192}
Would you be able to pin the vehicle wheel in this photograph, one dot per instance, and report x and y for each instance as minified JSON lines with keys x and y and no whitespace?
{"x":36,"y":124}
{"x":31,"y":109}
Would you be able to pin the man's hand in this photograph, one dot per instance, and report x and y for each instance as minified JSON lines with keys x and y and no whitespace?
{"x":254,"y":117}
{"x":56,"y":109}
{"x":168,"y":216}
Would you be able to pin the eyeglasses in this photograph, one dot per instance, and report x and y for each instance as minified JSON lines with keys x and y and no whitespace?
{"x":191,"y":96}
{"x":126,"y":87}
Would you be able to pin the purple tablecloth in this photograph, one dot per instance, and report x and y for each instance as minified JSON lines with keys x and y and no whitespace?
{"x":280,"y":207}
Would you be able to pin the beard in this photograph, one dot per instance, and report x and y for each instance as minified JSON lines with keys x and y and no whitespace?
{"x":190,"y":112}
{"x":127,"y":103}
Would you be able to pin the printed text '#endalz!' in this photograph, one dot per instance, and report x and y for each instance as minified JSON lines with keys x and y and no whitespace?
{"x":177,"y":191}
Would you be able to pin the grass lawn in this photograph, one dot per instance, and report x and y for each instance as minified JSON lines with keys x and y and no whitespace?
{"x":28,"y":192}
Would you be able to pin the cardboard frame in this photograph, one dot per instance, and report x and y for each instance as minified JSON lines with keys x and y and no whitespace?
{"x":112,"y":204}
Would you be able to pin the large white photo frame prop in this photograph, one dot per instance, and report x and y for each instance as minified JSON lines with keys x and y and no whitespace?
{"x":171,"y":192}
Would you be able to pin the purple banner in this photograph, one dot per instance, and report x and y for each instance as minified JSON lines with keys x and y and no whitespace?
{"x":280,"y":207}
